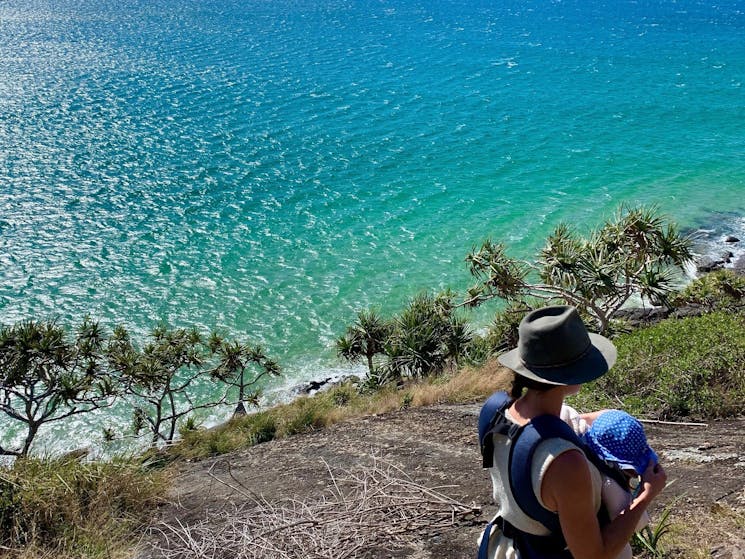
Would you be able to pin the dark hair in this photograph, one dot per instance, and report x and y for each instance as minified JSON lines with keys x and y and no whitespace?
{"x":520,"y":383}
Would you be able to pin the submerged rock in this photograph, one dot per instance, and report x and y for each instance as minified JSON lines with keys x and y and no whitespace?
{"x":313,"y":386}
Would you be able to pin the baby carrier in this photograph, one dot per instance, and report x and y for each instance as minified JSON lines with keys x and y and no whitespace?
{"x":523,"y":443}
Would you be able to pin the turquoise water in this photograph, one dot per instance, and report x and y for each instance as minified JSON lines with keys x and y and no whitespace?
{"x":270,"y":168}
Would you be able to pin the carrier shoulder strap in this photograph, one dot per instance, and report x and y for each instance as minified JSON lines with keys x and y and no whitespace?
{"x":522,"y":449}
{"x":492,"y":420}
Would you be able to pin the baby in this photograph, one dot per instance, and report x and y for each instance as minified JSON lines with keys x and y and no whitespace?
{"x":616,"y":436}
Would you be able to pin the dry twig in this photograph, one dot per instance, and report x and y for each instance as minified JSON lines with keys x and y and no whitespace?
{"x":378,"y":506}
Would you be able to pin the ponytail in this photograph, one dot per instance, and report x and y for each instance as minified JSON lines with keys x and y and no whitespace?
{"x":517,"y":386}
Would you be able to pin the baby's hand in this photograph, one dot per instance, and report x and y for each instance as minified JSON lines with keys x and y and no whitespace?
{"x":654,"y":479}
{"x":592,"y":416}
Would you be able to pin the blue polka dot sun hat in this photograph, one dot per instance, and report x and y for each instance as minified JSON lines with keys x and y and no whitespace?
{"x":616,"y":436}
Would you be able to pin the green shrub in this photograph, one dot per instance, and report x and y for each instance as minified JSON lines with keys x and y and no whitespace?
{"x":378,"y":380}
{"x":721,"y":289}
{"x":305,"y":414}
{"x":495,"y":340}
{"x":343,"y":395}
{"x":481,"y":348}
{"x":693,"y":367}
{"x":263,"y":428}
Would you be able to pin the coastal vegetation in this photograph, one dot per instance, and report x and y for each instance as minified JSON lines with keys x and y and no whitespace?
{"x":45,"y":377}
{"x":428,"y":353}
{"x":680,"y":368}
{"x":67,"y":509}
{"x":48,"y":375}
{"x":643,"y":395}
{"x":638,"y":252}
{"x":424,"y":339}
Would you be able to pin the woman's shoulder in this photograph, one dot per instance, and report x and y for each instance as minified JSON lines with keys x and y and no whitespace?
{"x":551,"y":448}
{"x":570,"y":461}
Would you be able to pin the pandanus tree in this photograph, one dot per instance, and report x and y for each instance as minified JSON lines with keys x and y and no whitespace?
{"x":422,"y":340}
{"x":426,"y":336}
{"x":48,"y":376}
{"x":365,"y":338}
{"x":168,"y":379}
{"x":636,"y":252}
{"x":241,"y":366}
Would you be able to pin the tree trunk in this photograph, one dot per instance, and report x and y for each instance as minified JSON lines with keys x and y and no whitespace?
{"x":156,"y":425}
{"x":173,"y":419}
{"x":240,"y":409}
{"x":33,"y":428}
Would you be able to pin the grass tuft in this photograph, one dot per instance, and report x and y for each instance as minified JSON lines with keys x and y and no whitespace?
{"x":64,"y":508}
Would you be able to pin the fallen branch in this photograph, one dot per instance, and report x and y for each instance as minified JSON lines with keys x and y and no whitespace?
{"x":682,"y":423}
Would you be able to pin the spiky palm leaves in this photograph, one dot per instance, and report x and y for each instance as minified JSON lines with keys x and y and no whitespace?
{"x":421,"y":340}
{"x":241,"y":366}
{"x":635,"y":252}
{"x":365,"y":338}
{"x":426,"y":336}
{"x":47,"y":376}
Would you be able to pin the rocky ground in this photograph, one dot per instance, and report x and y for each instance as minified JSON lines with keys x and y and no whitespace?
{"x":436,"y":447}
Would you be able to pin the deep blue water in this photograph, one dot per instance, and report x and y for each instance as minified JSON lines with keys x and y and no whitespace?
{"x":270,"y":168}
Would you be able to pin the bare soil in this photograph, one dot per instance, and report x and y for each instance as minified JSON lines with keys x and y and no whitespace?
{"x":437,"y":446}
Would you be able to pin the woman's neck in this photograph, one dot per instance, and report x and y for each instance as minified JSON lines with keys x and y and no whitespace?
{"x":534,"y":403}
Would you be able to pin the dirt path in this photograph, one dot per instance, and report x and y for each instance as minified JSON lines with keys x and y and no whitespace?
{"x":436,"y":446}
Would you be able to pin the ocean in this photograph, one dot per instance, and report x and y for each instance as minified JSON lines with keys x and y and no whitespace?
{"x":270,"y":168}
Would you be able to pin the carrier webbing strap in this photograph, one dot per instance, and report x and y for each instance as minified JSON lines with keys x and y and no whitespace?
{"x":484,"y":546}
{"x":522,"y":449}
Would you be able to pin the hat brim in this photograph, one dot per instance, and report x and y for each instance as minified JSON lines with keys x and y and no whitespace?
{"x":639,"y":466}
{"x":598,"y":359}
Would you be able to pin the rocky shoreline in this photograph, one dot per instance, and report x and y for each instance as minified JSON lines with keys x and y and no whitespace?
{"x":716,"y":251}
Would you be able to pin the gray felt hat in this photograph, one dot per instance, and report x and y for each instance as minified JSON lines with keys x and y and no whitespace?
{"x":555,"y":347}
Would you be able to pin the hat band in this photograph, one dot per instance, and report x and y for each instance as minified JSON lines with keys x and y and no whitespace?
{"x":557,"y":365}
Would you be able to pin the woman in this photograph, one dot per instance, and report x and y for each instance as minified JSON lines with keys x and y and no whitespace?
{"x":554,"y":356}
